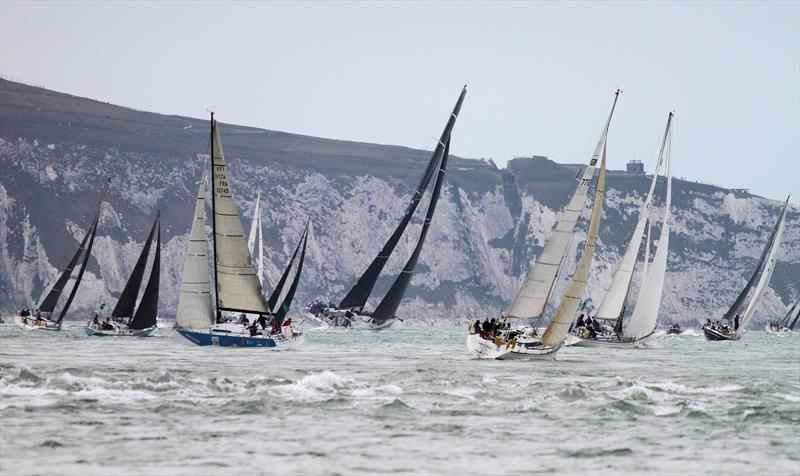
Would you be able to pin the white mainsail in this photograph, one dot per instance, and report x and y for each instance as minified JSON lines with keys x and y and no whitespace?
{"x":194,"y":302}
{"x":645,"y":313}
{"x":613,"y":304}
{"x":238,"y":288}
{"x":255,"y":229}
{"x":565,"y":313}
{"x":531,"y":300}
{"x":766,"y":275}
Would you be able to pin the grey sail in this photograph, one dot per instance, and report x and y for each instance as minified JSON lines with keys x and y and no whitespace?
{"x":147,"y":311}
{"x":127,"y":301}
{"x":287,"y":301}
{"x":734,"y":309}
{"x":50,"y":301}
{"x":359,"y":293}
{"x":87,"y":253}
{"x":388,"y":306}
{"x":278,"y":291}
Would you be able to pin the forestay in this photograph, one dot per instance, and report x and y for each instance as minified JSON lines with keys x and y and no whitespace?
{"x":565,"y":312}
{"x":194,"y":303}
{"x":531,"y":300}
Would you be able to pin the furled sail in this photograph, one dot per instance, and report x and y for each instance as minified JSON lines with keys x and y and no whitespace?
{"x":281,"y":312}
{"x":237,"y":284}
{"x":613,"y":305}
{"x":86,"y":254}
{"x":255,"y":229}
{"x":564,"y":315}
{"x":50,"y":301}
{"x":769,"y":267}
{"x":391,"y":301}
{"x":645,"y":313}
{"x":359,"y":293}
{"x":278,"y":291}
{"x":737,"y":304}
{"x":194,"y":302}
{"x":127,"y":301}
{"x":531,"y":300}
{"x":147,"y":312}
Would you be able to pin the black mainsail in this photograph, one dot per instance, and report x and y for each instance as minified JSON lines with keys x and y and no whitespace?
{"x":357,"y":297}
{"x":287,"y":301}
{"x":791,"y":326}
{"x":761,"y":263}
{"x":147,"y":311}
{"x":276,"y":293}
{"x":87,"y":253}
{"x":127,"y":301}
{"x":388,"y":306}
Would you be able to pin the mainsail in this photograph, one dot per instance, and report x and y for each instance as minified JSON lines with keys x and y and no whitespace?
{"x":147,"y":312}
{"x":796,"y":317}
{"x":194,"y":303}
{"x":255,"y":229}
{"x":281,"y":312}
{"x":565,"y":313}
{"x":127,"y":301}
{"x":645,"y":313}
{"x":734,"y":309}
{"x":769,"y":267}
{"x":531,"y":300}
{"x":391,"y":301}
{"x":789,"y":315}
{"x":357,"y":297}
{"x":278,"y":291}
{"x":238,"y":288}
{"x":87,"y":253}
{"x":613,"y":305}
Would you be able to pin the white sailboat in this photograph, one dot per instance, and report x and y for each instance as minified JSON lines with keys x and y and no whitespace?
{"x":642,"y":322}
{"x":766,"y":265}
{"x":531,"y":301}
{"x":239,"y":307}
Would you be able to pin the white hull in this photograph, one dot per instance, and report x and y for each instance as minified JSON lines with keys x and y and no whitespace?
{"x":30,"y":324}
{"x":481,"y":348}
{"x":778,"y":332}
{"x":336,"y":319}
{"x":118,"y":330}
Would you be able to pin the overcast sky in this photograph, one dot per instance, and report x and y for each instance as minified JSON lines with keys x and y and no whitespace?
{"x":540,"y":75}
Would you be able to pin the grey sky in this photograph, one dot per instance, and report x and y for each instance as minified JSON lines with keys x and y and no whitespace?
{"x":540,"y":75}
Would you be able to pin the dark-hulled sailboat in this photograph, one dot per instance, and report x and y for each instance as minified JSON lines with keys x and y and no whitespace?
{"x":351,"y":311}
{"x":733,"y":322}
{"x":43,"y":316}
{"x":239,"y":306}
{"x":126,"y":319}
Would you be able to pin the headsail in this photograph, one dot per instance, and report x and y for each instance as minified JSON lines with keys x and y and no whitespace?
{"x":359,"y":293}
{"x":127,"y":301}
{"x":237,"y":284}
{"x":734,"y":309}
{"x":86,"y":254}
{"x":613,"y":305}
{"x":281,"y":312}
{"x":147,"y":312}
{"x":789,"y":315}
{"x":255,"y":229}
{"x":278,"y":291}
{"x":796,"y":317}
{"x":645,"y":313}
{"x":194,"y":303}
{"x":565,"y":312}
{"x":769,"y":267}
{"x":531,"y":300}
{"x":391,"y":301}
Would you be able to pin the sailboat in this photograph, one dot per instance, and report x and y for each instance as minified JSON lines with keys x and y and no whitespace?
{"x":786,"y":324}
{"x":642,"y":322}
{"x":766,"y":265}
{"x":530,"y":303}
{"x":43,"y":316}
{"x":239,"y":306}
{"x":351,"y":310}
{"x":126,"y":319}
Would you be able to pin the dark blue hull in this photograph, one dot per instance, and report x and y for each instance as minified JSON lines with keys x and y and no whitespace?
{"x":207,"y":338}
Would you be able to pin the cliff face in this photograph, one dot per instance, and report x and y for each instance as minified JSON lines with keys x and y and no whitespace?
{"x":57,"y":150}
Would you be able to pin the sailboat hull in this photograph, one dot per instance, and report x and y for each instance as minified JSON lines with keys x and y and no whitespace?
{"x":336,"y":318}
{"x":481,"y":348}
{"x":228,"y":340}
{"x":610,"y":342}
{"x":713,"y":334}
{"x":779,"y":332}
{"x":119,"y":332}
{"x":30,"y":324}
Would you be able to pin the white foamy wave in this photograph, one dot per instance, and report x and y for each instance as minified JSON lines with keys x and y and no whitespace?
{"x":315,"y":386}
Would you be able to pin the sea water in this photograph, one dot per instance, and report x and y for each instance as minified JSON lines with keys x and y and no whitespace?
{"x":402,"y":401}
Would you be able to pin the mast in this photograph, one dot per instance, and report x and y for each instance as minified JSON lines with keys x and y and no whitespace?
{"x":759,"y":268}
{"x":391,"y":301}
{"x":217,"y":312}
{"x":532,"y":298}
{"x":565,"y":312}
{"x":127,"y":301}
{"x":147,"y":312}
{"x":357,"y":297}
